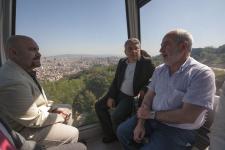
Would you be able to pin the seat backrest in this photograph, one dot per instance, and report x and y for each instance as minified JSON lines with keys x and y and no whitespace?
{"x":211,"y":113}
{"x":202,"y":141}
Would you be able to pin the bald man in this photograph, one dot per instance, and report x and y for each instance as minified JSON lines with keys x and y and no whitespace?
{"x":23,"y":102}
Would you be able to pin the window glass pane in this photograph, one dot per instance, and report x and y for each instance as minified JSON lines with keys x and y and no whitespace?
{"x":203,"y":18}
{"x":80,"y":42}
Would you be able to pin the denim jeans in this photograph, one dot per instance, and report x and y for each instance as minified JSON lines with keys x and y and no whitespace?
{"x":158,"y":136}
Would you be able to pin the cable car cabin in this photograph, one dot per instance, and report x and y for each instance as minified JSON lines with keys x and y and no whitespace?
{"x":92,"y":132}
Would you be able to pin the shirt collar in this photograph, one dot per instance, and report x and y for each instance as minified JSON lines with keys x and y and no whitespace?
{"x":130,"y":63}
{"x":184,"y":65}
{"x":33,"y":74}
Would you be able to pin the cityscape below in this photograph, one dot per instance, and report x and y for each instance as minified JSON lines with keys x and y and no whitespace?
{"x":54,"y":68}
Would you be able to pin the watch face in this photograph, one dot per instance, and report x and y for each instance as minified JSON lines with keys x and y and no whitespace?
{"x":152,"y":115}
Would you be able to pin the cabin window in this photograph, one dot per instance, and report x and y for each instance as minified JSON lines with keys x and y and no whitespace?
{"x":81,"y":42}
{"x":204,"y":19}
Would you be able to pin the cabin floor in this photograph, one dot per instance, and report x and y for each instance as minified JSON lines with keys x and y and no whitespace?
{"x":97,"y":144}
{"x":93,"y":135}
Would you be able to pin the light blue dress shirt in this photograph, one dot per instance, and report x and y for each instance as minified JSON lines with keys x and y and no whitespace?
{"x":193,"y":83}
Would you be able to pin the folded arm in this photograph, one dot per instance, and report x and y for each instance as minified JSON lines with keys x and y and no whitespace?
{"x":188,"y":113}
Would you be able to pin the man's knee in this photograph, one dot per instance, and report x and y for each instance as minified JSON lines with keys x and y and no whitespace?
{"x":97,"y":107}
{"x":100,"y":106}
{"x":80,"y":146}
{"x":74,"y":134}
{"x":120,"y":130}
{"x":115,"y":117}
{"x":126,"y":128}
{"x":70,"y":146}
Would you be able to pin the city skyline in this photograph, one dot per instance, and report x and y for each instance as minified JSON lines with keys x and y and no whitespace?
{"x":98,"y":27}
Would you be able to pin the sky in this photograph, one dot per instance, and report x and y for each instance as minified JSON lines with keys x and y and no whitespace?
{"x":98,"y":27}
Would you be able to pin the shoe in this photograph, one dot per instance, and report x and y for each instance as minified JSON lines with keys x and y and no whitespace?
{"x":109,"y":139}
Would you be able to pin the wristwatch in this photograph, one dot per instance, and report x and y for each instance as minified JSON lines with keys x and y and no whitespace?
{"x":152,"y":115}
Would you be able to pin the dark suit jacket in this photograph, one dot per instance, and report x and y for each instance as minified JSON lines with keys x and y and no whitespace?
{"x":143,"y":72}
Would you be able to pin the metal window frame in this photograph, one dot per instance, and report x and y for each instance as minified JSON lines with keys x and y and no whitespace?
{"x":133,"y":17}
{"x":7,"y":28}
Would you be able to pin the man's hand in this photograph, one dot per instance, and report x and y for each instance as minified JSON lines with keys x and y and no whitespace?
{"x":141,"y":94}
{"x":64,"y":112}
{"x":143,"y":112}
{"x":110,"y":103}
{"x":139,"y":133}
{"x":59,"y":110}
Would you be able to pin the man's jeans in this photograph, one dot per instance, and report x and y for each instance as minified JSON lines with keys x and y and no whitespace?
{"x":158,"y":136}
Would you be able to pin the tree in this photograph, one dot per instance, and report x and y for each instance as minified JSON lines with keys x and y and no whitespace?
{"x":83,"y":108}
{"x":98,"y":85}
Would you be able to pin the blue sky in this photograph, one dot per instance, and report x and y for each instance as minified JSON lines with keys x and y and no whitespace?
{"x":99,"y":26}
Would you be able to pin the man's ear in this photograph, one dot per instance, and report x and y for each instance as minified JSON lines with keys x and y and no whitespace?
{"x":12,"y":52}
{"x":125,"y":51}
{"x":184,"y":45}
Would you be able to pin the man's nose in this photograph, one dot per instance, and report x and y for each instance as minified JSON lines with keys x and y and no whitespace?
{"x":134,"y":50}
{"x":38,"y":54}
{"x":161,"y":50}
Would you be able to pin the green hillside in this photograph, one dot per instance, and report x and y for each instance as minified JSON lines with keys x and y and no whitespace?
{"x":81,"y":90}
{"x":213,"y":57}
